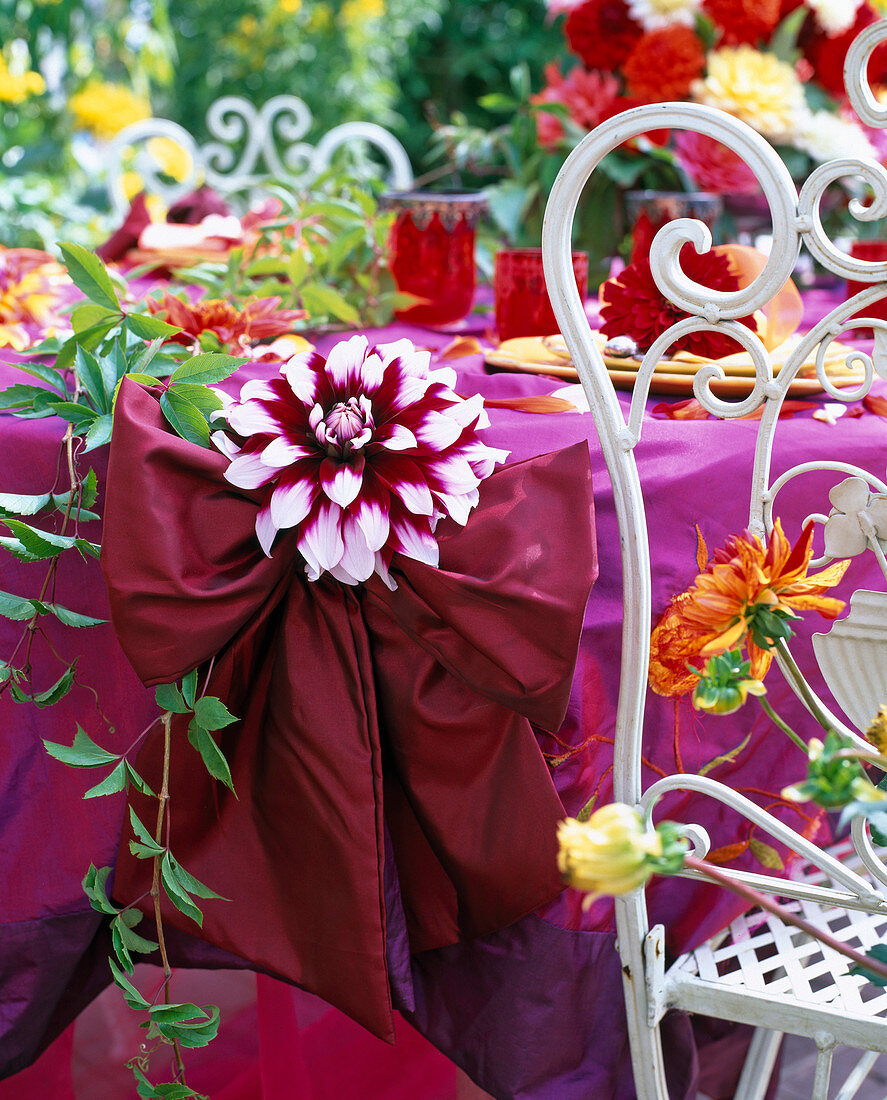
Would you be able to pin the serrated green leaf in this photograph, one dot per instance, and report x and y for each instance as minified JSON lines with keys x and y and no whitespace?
{"x":16,"y":608}
{"x":265,"y":265}
{"x":73,"y":412}
{"x":85,"y":317}
{"x":187,"y":420}
{"x":137,"y":781}
{"x":202,"y":397}
{"x":99,"y":432}
{"x":72,"y":618}
{"x":113,"y":783}
{"x":142,"y":834}
{"x":297,"y":268}
{"x":177,"y":894}
{"x":133,"y":941}
{"x":324,"y":301}
{"x":766,"y":854}
{"x":169,"y":1090}
{"x":210,"y":753}
{"x":212,"y":714}
{"x":189,"y":688}
{"x":178,"y":1013}
{"x":145,"y":357}
{"x":148,"y":327}
{"x":191,"y":884}
{"x":83,"y":753}
{"x":59,"y":689}
{"x":90,"y":374}
{"x":30,"y":544}
{"x":168,"y":697}
{"x":143,"y":379}
{"x":130,"y":994}
{"x":120,"y":949}
{"x":89,"y":339}
{"x":343,"y":245}
{"x":96,"y":889}
{"x":89,"y":275}
{"x":206,"y":368}
{"x":20,"y":395}
{"x":113,"y":369}
{"x":879,"y":953}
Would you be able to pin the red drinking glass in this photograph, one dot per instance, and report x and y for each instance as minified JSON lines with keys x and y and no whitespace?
{"x":873,"y":252}
{"x":431,"y":252}
{"x":523,"y":307}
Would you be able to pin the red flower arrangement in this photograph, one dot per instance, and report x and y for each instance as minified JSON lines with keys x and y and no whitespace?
{"x":602,"y":33}
{"x":633,"y":305}
{"x":749,"y":21}
{"x":663,"y":64}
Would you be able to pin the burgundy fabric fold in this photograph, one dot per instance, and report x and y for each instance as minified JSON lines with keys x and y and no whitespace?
{"x":351,"y":700}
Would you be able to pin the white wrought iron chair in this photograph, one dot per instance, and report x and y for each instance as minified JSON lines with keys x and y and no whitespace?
{"x":761,"y":972}
{"x":251,"y":146}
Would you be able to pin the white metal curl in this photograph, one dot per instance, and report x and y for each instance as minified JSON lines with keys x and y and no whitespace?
{"x":131,"y":148}
{"x":815,"y":238}
{"x":859,"y":91}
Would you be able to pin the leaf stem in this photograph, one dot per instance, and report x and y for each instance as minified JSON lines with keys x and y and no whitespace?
{"x":163,"y":799}
{"x":763,"y":901}
{"x":780,"y":724}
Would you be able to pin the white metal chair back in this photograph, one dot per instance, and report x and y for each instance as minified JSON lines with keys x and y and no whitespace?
{"x":796,"y":221}
{"x":251,"y":146}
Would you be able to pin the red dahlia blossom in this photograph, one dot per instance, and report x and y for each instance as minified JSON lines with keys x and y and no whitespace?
{"x":743,"y":21}
{"x":602,"y":33}
{"x":633,"y":305}
{"x":827,"y":55}
{"x":664,"y":63}
{"x":590,"y":97}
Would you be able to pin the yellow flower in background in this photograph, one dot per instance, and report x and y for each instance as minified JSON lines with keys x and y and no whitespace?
{"x":175,"y":161}
{"x":754,"y":86}
{"x":290,"y":6}
{"x":29,"y":295}
{"x":321,"y":17}
{"x":104,"y":109}
{"x":877,"y":731}
{"x":608,"y":854}
{"x":15,"y":88}
{"x":361,"y":11}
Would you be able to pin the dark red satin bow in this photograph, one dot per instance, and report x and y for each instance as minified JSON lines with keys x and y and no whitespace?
{"x":427,"y":692}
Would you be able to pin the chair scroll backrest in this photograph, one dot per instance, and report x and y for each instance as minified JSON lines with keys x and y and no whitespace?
{"x":251,"y":146}
{"x":795,"y":222}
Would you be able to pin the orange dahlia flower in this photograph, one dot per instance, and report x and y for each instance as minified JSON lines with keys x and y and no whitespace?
{"x":664,"y":63}
{"x":258,"y":320}
{"x":745,"y":595}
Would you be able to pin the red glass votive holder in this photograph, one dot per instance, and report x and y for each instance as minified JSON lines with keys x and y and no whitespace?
{"x":523,"y":307}
{"x":873,"y":252}
{"x":431,"y":252}
{"x":649,"y":211}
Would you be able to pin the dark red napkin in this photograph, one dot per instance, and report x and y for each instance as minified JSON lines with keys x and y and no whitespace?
{"x":351,"y":700}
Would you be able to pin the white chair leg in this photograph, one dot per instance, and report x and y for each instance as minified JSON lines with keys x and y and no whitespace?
{"x":857,"y":1075}
{"x":759,"y":1062}
{"x":825,"y":1048}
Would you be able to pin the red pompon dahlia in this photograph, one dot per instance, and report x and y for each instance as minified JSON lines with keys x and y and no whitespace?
{"x":590,"y":98}
{"x":602,"y":33}
{"x":664,"y":63}
{"x":633,"y":305}
{"x":826,"y":54}
{"x":362,"y":452}
{"x":743,"y":21}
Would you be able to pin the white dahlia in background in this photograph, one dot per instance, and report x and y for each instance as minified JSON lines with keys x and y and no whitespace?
{"x":826,"y":136}
{"x":654,"y":14}
{"x":362,"y":452}
{"x":834,"y":16}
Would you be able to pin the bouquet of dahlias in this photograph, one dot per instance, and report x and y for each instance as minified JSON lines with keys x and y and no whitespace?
{"x":775,"y":64}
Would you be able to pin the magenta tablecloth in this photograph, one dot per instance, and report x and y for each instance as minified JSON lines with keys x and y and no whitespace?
{"x":534,"y":1011}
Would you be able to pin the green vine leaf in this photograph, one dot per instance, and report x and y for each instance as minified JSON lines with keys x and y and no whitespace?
{"x":211,"y":713}
{"x":125,"y":940}
{"x":137,"y":781}
{"x":189,"y":688}
{"x":89,"y":371}
{"x":53,"y":378}
{"x":99,"y":432}
{"x":145,"y":846}
{"x":167,"y":1091}
{"x":51,"y":695}
{"x":191,"y":884}
{"x":113,"y":783}
{"x":33,"y":545}
{"x":177,"y":894}
{"x":205,"y":369}
{"x":168,"y":697}
{"x":89,"y":275}
{"x":95,"y":887}
{"x":210,"y":753}
{"x":72,"y":618}
{"x":130,"y":994}
{"x":148,"y":327}
{"x":16,"y":504}
{"x":187,"y":420}
{"x":83,"y":753}
{"x":16,"y":608}
{"x":190,"y":1025}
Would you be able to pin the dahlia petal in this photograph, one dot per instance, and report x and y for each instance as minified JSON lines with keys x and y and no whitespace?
{"x":467,"y":411}
{"x":443,"y":376}
{"x":343,"y":576}
{"x":225,"y":444}
{"x":344,"y":362}
{"x":341,"y":481}
{"x":248,"y":471}
{"x":383,"y":574}
{"x":371,"y":515}
{"x":254,"y":418}
{"x":266,"y":528}
{"x":358,"y":559}
{"x":416,"y":496}
{"x":301,"y":378}
{"x":413,"y":360}
{"x":257,"y":389}
{"x":459,"y":505}
{"x":415,"y":542}
{"x":395,"y":437}
{"x":372,"y":371}
{"x":437,"y":431}
{"x":453,"y":474}
{"x":292,"y":500}
{"x":281,"y":452}
{"x":322,"y":535}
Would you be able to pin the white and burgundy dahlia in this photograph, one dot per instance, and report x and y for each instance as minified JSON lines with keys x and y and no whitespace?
{"x":362,"y":452}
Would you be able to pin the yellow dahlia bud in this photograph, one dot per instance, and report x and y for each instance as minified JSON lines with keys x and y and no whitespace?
{"x":608,"y":854}
{"x":877,"y":731}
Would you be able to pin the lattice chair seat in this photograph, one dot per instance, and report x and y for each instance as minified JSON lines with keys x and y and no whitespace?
{"x":761,"y":971}
{"x":250,"y":146}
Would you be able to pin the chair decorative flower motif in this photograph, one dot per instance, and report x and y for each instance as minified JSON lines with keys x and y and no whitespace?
{"x":761,"y":972}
